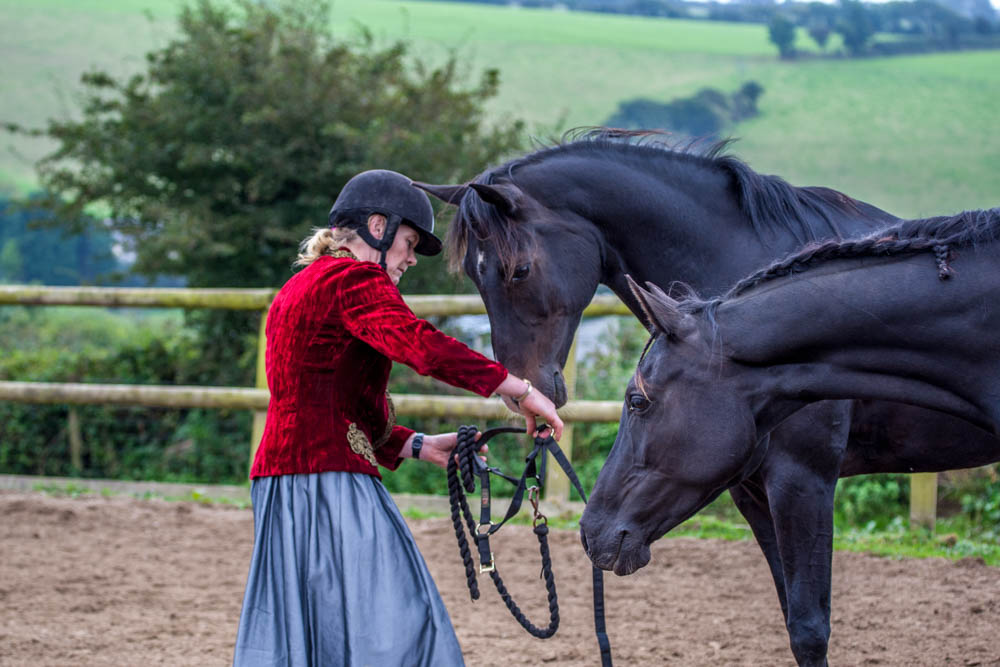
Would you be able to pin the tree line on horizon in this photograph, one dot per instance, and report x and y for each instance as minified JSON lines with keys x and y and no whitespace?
{"x":921,"y":25}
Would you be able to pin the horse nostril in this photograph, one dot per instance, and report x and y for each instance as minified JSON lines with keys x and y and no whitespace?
{"x":559,"y":395}
{"x":583,"y":540}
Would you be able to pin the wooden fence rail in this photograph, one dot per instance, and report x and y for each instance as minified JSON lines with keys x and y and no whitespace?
{"x":557,"y":486}
{"x":241,"y":398}
{"x":243,"y":299}
{"x":923,"y":490}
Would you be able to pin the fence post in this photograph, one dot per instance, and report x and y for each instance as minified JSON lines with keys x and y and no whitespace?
{"x":923,"y":499}
{"x":75,"y":434}
{"x":556,"y":482}
{"x":259,"y":416}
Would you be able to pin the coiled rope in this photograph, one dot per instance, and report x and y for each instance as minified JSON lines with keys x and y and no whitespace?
{"x":465,"y":461}
{"x":463,"y":468}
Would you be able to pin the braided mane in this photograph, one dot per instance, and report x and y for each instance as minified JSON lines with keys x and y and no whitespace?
{"x":937,"y":234}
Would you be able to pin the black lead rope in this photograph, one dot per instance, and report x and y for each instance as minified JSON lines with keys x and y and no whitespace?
{"x":468,"y":464}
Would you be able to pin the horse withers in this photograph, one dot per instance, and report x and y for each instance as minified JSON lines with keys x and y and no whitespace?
{"x":910,"y":314}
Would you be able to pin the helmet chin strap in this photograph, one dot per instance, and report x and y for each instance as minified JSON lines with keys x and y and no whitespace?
{"x":388,"y":236}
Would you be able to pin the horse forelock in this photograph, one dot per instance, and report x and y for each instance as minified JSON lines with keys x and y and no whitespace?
{"x":483,"y":222}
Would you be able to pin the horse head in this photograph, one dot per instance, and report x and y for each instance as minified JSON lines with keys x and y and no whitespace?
{"x":686,"y":434}
{"x":534,"y":277}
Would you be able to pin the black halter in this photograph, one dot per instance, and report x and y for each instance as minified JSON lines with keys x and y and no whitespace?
{"x":467,"y":462}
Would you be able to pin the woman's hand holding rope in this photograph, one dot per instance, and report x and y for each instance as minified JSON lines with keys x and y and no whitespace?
{"x":437,"y":448}
{"x":519,"y":396}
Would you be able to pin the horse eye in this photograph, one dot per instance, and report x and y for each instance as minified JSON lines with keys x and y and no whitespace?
{"x":637,"y":403}
{"x":521,"y":272}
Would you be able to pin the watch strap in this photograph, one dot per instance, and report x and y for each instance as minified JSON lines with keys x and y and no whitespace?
{"x":417,"y":445}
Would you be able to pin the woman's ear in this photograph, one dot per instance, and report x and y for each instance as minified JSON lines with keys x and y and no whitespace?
{"x":376,"y":225}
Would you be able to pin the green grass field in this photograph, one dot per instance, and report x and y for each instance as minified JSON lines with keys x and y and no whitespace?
{"x":915,"y":135}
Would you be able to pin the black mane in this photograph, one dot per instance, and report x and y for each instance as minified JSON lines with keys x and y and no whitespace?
{"x":768,"y":201}
{"x":938,"y":234}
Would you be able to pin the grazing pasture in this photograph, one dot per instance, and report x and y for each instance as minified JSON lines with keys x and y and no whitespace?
{"x":914,"y":135}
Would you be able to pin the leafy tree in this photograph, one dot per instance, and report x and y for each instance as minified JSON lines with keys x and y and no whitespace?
{"x":856,"y":26}
{"x":705,"y":114}
{"x":820,"y":19}
{"x":820,"y":34}
{"x":781,"y":30}
{"x":219,"y":159}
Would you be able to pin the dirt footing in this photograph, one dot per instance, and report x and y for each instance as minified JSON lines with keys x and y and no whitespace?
{"x":119,"y":581}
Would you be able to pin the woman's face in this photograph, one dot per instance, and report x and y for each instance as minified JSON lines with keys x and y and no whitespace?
{"x":401,"y":255}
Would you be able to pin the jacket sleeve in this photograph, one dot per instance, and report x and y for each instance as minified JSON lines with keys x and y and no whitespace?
{"x":374,"y":311}
{"x":388,"y":454}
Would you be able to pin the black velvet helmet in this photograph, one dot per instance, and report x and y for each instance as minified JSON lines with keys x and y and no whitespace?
{"x":394,"y":196}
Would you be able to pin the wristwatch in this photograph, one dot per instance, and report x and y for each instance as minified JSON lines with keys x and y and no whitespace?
{"x":418,"y":443}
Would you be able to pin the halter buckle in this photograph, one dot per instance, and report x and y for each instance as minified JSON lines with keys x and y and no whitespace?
{"x":488,"y":568}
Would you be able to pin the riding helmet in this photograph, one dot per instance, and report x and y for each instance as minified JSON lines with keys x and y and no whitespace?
{"x":393,"y":195}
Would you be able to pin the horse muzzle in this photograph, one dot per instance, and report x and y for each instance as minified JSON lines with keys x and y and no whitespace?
{"x":618,"y":550}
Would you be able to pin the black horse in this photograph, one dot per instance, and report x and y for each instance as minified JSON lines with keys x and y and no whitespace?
{"x":539,"y":234}
{"x":872,"y":318}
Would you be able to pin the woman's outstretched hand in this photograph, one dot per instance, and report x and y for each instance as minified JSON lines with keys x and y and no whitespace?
{"x":534,"y":406}
{"x":538,"y":408}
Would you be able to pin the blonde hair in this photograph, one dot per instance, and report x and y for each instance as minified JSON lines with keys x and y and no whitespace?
{"x":324,"y":241}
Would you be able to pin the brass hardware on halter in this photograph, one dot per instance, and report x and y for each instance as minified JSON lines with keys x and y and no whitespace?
{"x":483,"y":531}
{"x":488,"y":568}
{"x":533,"y":499}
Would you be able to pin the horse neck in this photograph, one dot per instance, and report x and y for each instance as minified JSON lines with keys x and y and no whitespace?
{"x":684,"y":225}
{"x":679,"y":218}
{"x":884,"y":329}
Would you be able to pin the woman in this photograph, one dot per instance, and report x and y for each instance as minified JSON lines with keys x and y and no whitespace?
{"x":336,"y":578}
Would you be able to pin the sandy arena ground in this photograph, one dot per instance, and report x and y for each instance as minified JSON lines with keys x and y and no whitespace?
{"x":119,"y":581}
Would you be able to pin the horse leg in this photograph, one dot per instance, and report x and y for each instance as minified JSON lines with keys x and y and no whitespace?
{"x":800,"y":476}
{"x":751,"y":500}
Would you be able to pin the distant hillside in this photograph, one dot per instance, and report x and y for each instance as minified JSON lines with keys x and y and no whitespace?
{"x":707,"y":9}
{"x":914,"y":135}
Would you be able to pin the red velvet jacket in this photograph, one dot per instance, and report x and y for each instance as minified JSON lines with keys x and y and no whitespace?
{"x":333,"y":331}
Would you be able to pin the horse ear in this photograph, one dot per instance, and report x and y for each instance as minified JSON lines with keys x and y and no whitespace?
{"x":661,"y":311}
{"x":666,"y":310}
{"x":504,"y":197}
{"x":449,"y":194}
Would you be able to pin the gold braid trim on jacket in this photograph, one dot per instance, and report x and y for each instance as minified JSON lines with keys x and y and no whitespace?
{"x":359,"y":443}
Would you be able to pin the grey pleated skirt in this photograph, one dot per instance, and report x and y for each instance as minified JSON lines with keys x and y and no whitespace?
{"x":336,"y":579}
